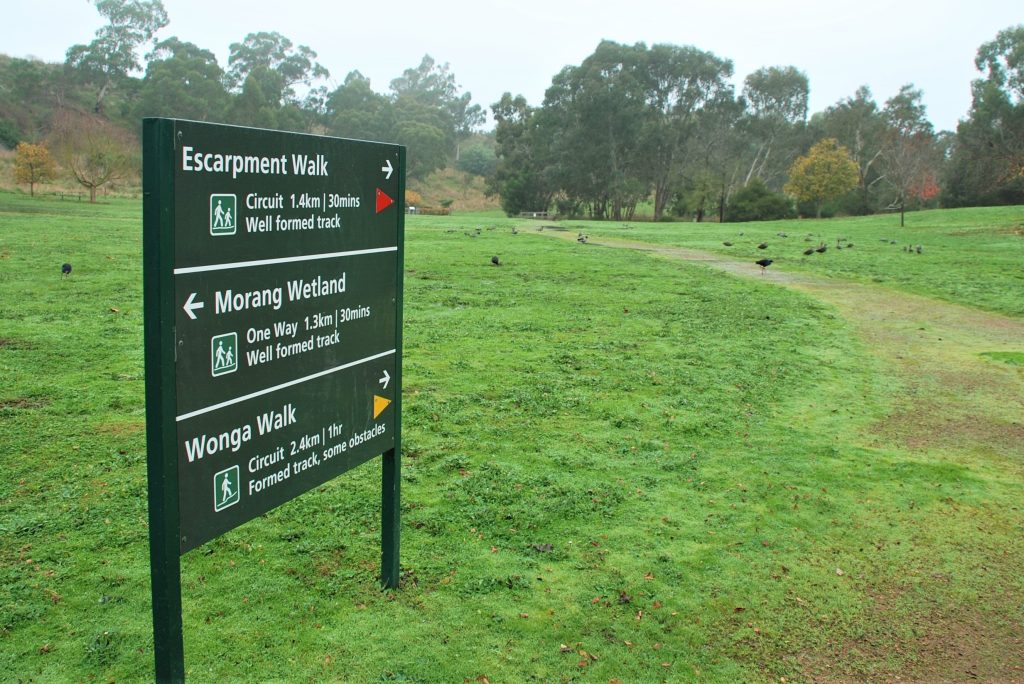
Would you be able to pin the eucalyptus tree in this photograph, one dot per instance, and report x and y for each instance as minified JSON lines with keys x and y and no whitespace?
{"x":689,"y":99}
{"x":600,"y":111}
{"x":355,"y":110}
{"x":277,"y":64}
{"x":433,"y":86}
{"x":112,"y":54}
{"x":182,"y":80}
{"x":523,"y":177}
{"x":776,"y":102}
{"x":987,"y":160}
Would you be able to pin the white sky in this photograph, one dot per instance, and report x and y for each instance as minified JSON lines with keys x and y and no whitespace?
{"x":519,"y":45}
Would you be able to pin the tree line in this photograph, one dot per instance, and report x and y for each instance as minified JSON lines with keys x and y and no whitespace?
{"x":660,"y":129}
{"x":663,"y":127}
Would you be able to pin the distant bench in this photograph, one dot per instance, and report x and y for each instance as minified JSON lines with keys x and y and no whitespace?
{"x":534,"y":214}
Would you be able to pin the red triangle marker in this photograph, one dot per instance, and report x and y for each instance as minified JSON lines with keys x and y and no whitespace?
{"x":383,"y":201}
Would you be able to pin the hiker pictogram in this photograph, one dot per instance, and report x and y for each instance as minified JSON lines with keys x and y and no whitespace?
{"x":223,"y":214}
{"x":224,"y":354}
{"x":226,"y":490}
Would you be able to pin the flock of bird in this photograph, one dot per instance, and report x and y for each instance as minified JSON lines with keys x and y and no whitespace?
{"x":582,"y":238}
{"x":821,"y":248}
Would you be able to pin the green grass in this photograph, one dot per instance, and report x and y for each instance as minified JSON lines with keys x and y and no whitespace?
{"x":969,"y":256}
{"x":614,"y":467}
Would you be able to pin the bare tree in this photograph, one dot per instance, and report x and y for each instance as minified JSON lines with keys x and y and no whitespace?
{"x":95,"y":151}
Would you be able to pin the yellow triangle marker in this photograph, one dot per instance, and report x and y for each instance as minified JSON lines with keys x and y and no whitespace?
{"x":379,"y":404}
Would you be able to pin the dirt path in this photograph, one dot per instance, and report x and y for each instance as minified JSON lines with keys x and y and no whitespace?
{"x":954,"y":397}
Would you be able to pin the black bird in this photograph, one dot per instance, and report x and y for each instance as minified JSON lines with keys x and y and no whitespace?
{"x":763,"y":245}
{"x":65,"y":270}
{"x":727,"y":243}
{"x":821,"y":248}
{"x":495,"y":261}
{"x":809,"y":251}
{"x":918,"y":249}
{"x":849,"y":245}
{"x":764,"y":263}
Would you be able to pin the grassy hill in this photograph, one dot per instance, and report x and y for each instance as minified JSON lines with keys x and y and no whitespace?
{"x":465,"y":189}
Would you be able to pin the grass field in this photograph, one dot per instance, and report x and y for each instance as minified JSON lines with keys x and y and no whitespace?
{"x":617,"y":466}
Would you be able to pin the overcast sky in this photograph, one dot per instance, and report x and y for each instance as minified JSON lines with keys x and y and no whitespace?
{"x":518,"y":45}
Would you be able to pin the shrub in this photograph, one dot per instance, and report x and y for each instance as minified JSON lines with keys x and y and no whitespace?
{"x":756,"y":202}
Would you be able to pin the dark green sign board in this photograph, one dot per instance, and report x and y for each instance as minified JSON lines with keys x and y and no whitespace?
{"x":273,"y":324}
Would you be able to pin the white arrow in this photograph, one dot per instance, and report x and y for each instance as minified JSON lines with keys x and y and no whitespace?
{"x":385,"y":380}
{"x":387,"y":168}
{"x":191,"y":305}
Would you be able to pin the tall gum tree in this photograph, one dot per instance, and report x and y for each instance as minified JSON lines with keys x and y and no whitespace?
{"x":776,"y":102}
{"x":987,"y":160}
{"x":111,"y":55}
{"x":686,"y":90}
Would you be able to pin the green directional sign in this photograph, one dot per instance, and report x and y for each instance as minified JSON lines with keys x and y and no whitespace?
{"x":273,"y":274}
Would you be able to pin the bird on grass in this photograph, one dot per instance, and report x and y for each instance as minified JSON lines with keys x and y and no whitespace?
{"x":809,"y":251}
{"x":727,"y":243}
{"x":919,"y":249}
{"x":582,"y":239}
{"x":65,"y":270}
{"x":763,"y":245}
{"x":515,"y":231}
{"x":764,"y":263}
{"x":495,"y":261}
{"x":820,"y":249}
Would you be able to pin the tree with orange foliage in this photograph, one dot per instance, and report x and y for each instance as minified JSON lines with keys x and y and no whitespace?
{"x":33,"y":164}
